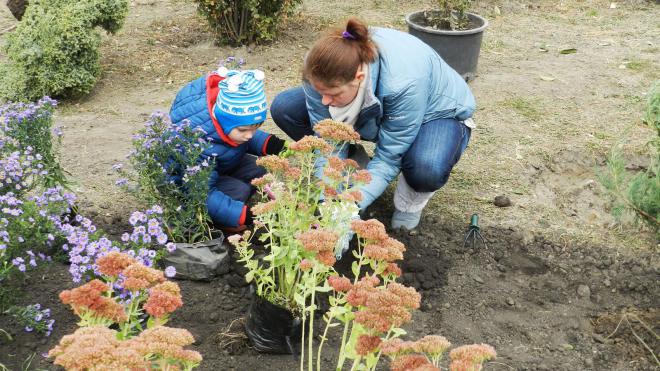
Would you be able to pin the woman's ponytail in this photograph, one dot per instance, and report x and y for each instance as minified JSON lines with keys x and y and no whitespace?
{"x":336,"y":57}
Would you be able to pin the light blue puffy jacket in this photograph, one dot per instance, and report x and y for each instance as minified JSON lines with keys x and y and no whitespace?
{"x":410,"y":85}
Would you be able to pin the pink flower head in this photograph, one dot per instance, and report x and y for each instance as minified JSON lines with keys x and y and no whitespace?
{"x":396,"y":347}
{"x":340,"y":284}
{"x":318,"y":240}
{"x":88,"y":298}
{"x":235,"y":239}
{"x":139,"y":277}
{"x":293,"y":173}
{"x":358,"y":294}
{"x":351,"y":196}
{"x":163,"y":299}
{"x":362,"y":177}
{"x":367,"y":344}
{"x":432,"y":344}
{"x":336,"y":131}
{"x":263,"y":181}
{"x":306,"y":265}
{"x":310,"y":143}
{"x":335,"y":163}
{"x":113,"y":263}
{"x":475,"y":353}
{"x":273,"y":164}
{"x":264,"y":207}
{"x":371,"y":230}
{"x":410,"y":362}
{"x":333,"y":174}
{"x":392,"y":269}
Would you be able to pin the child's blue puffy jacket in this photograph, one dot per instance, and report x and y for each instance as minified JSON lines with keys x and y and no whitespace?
{"x":194,"y":102}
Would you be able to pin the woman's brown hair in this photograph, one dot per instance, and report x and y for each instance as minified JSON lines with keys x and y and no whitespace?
{"x":336,"y":57}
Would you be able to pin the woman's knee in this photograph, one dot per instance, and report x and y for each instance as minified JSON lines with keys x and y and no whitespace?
{"x":427,"y":178}
{"x":287,"y":105}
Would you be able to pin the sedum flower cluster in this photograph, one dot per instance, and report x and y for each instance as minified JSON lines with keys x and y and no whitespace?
{"x":136,"y":344}
{"x":171,"y":168}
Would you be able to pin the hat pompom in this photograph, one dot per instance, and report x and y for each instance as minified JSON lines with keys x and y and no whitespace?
{"x":222,"y":71}
{"x":259,"y":75}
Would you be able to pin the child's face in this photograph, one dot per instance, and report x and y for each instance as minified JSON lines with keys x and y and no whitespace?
{"x":242,"y":134}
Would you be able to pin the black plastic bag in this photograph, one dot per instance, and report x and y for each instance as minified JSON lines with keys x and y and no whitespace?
{"x":271,"y":328}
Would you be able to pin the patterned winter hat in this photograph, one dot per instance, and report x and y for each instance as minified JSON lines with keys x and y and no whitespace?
{"x":241,"y":100}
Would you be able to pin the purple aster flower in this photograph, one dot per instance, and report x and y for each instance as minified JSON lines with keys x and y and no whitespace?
{"x":170,"y":271}
{"x":121,"y":182}
{"x":162,"y":238}
{"x":170,"y":247}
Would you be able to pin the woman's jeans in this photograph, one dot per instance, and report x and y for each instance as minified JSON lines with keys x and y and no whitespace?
{"x":429,"y":160}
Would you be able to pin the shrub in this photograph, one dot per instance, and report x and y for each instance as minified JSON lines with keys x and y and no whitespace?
{"x":245,"y":21}
{"x":54,"y":50}
{"x":168,"y":173}
{"x":638,"y":194}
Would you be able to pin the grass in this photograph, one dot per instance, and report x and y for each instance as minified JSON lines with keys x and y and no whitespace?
{"x":531,"y":109}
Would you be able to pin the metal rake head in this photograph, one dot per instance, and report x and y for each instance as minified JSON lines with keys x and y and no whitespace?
{"x":473,"y":235}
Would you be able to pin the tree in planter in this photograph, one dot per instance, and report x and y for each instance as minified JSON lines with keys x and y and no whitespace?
{"x":54,"y":50}
{"x":450,"y":15}
{"x":239,"y":22}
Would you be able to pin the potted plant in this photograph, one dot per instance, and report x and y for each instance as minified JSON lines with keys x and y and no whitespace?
{"x":300,"y":236}
{"x":453,"y":32}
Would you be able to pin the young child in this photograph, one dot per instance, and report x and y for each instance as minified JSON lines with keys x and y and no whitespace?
{"x":229,"y":106}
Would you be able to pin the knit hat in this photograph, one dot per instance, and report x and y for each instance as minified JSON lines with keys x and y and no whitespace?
{"x":241,"y":100}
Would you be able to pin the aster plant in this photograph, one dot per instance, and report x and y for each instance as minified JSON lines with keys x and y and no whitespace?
{"x":27,"y":129}
{"x":135,"y":344}
{"x":28,"y":232}
{"x":168,"y":172}
{"x":147,"y":242}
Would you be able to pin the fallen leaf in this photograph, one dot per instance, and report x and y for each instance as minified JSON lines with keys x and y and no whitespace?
{"x":497,"y":10}
{"x":568,"y":51}
{"x":542,"y":49}
{"x":605,"y":43}
{"x":547,"y":78}
{"x":612,"y":5}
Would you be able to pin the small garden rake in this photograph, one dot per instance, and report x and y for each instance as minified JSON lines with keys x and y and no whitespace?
{"x":473,"y":234}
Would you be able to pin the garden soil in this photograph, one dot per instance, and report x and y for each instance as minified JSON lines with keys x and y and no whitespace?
{"x":559,"y":285}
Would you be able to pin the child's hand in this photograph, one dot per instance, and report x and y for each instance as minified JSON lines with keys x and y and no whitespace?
{"x":275,"y":145}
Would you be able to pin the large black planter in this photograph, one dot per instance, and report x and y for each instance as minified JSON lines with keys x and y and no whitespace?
{"x":460,"y":49}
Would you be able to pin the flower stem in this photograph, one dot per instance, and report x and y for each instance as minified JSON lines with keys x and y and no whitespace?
{"x":310,"y":340}
{"x":323,"y":338}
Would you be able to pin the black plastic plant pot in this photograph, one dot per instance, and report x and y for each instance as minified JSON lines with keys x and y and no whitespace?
{"x":460,"y":49}
{"x":271,"y":328}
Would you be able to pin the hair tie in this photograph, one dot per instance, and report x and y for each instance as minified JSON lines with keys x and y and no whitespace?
{"x":347,"y":35}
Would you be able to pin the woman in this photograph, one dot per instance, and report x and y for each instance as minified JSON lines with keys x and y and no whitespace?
{"x":395,"y":91}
